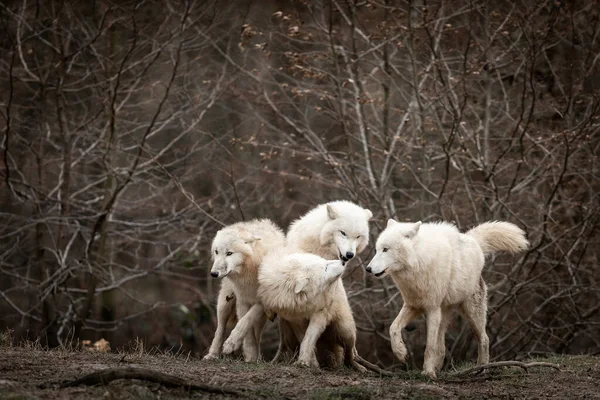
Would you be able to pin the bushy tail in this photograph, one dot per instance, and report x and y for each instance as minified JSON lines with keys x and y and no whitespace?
{"x":499,"y":236}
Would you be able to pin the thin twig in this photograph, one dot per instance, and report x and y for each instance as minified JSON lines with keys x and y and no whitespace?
{"x":372,"y":367}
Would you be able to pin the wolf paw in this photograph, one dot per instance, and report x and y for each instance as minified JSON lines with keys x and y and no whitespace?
{"x":229,"y":347}
{"x":399,"y":350}
{"x":429,"y":374}
{"x":307,"y":363}
{"x":210,"y":357}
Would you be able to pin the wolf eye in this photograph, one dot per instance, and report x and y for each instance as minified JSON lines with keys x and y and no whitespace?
{"x":343,"y":233}
{"x":358,"y":237}
{"x":228,"y":253}
{"x":384,"y":249}
{"x":216,"y":251}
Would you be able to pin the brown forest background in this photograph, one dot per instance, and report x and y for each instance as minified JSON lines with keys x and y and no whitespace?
{"x":132,"y":131}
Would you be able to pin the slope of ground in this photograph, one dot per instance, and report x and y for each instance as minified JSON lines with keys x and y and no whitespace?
{"x":30,"y":373}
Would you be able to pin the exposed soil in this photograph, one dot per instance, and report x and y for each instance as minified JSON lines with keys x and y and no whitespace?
{"x":29,"y":373}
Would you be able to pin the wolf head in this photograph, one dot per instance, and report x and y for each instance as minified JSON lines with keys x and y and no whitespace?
{"x":395,"y":248}
{"x":230,"y":250}
{"x":346,"y":230}
{"x":316,"y":273}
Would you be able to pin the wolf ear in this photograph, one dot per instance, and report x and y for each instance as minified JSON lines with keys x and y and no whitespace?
{"x":331,"y":214}
{"x":391,"y":222}
{"x":300,"y":285}
{"x":415,"y":229}
{"x":368,"y":214}
{"x":252,"y":239}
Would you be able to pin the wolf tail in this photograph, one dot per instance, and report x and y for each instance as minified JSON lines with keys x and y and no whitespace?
{"x":499,"y":236}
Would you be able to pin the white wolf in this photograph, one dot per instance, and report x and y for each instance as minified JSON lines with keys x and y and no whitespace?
{"x":437,"y":269}
{"x":305,"y":290}
{"x":338,"y":229}
{"x":237,"y":251}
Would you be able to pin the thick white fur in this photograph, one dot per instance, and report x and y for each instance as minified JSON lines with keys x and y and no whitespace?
{"x":237,"y":251}
{"x":329,"y":230}
{"x":437,"y":269}
{"x":305,"y":290}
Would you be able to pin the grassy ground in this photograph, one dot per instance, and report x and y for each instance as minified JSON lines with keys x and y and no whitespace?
{"x":28,"y":372}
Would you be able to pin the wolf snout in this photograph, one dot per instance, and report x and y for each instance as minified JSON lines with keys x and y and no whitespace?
{"x":349,"y":255}
{"x":369,"y":270}
{"x":214,"y":274}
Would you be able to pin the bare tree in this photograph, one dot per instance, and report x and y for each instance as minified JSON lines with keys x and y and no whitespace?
{"x":132,"y":132}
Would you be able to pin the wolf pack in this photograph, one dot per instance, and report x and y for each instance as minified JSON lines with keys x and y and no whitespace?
{"x":297,"y":279}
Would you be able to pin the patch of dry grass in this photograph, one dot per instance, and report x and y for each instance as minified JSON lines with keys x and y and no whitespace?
{"x":29,"y":371}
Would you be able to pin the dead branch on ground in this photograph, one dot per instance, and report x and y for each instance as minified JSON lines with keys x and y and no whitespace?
{"x":480,"y":368}
{"x":106,"y":376}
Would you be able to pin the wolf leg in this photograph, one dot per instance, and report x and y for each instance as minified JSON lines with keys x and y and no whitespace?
{"x":257,"y":331}
{"x":316,"y":326}
{"x":243,"y":327}
{"x":405,"y":315}
{"x":225,"y":309}
{"x":249,"y":347}
{"x":474,"y":308}
{"x":434,"y":320}
{"x":446,"y":316}
{"x":347,"y":333}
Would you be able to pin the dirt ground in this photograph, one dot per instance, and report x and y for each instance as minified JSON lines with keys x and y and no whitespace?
{"x":30,"y":373}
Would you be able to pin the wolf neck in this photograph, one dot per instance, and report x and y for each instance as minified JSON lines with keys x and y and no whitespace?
{"x":305,"y":234}
{"x":248,"y":274}
{"x":412,"y":280}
